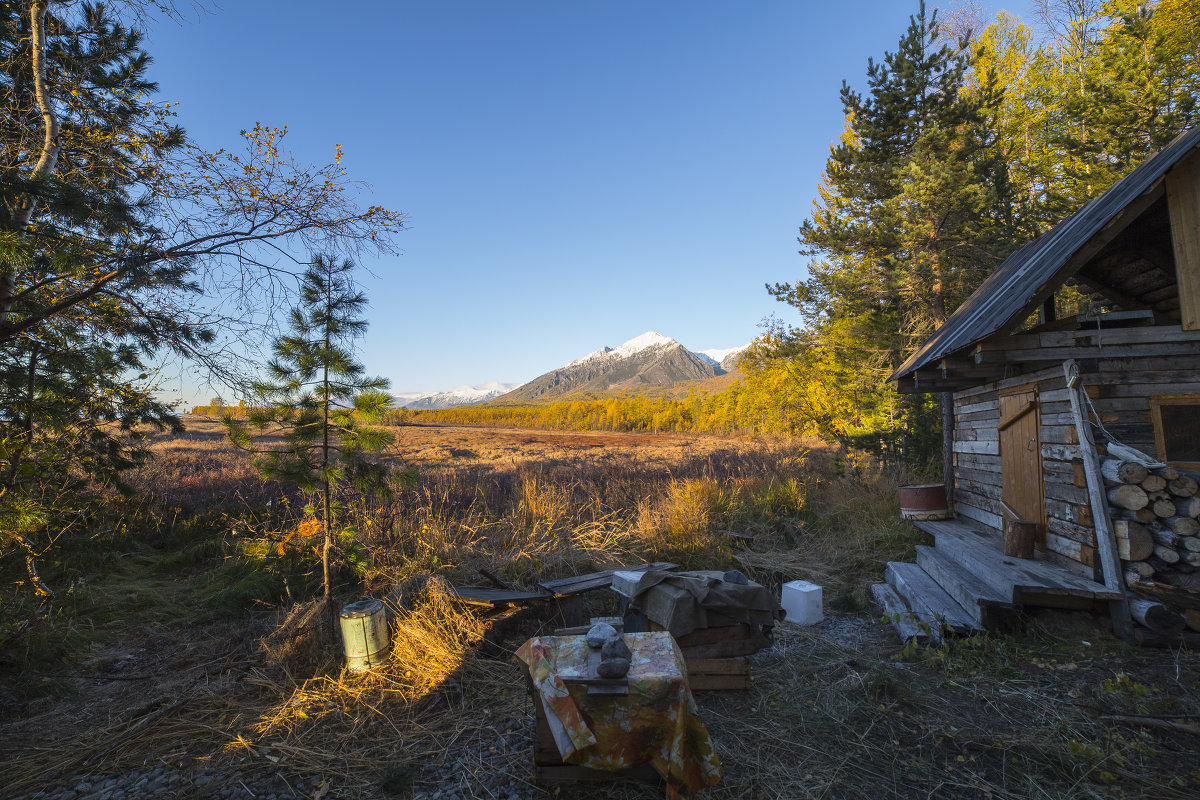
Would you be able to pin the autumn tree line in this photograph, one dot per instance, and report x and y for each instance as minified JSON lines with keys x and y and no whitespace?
{"x":968,"y":140}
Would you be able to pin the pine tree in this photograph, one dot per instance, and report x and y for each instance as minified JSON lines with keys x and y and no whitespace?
{"x":1140,"y":89}
{"x":112,"y":225}
{"x":913,"y":212}
{"x":315,"y":398}
{"x":73,"y":387}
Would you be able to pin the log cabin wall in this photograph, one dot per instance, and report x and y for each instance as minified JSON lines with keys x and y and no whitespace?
{"x":1121,"y":388}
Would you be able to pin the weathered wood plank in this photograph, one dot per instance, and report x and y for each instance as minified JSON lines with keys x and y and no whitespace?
{"x":495,"y":597}
{"x":971,"y":408}
{"x":982,"y":602}
{"x":1070,"y":548}
{"x":903,"y":620}
{"x":988,"y":448}
{"x":1110,"y":563}
{"x":978,"y":461}
{"x":1116,"y":351}
{"x":565,"y":587}
{"x":990,"y":519}
{"x":1067,"y":492}
{"x":1060,"y":452}
{"x":927,"y":599}
{"x":1080,"y":514}
{"x":1080,"y":533}
{"x":987,"y":477}
{"x":719,"y":666}
{"x":718,"y":683}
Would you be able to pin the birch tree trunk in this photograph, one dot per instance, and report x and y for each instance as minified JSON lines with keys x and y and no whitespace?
{"x":47,"y":161}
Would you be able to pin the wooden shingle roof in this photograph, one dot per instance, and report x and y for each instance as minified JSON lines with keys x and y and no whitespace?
{"x":1019,"y":285}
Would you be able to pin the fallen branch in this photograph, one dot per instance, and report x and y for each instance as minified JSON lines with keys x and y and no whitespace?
{"x":1154,"y":722}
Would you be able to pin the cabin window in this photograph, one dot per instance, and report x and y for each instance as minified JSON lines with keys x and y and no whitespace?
{"x":1177,"y":429}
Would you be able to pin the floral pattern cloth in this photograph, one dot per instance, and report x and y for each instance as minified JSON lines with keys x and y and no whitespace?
{"x":656,"y":722}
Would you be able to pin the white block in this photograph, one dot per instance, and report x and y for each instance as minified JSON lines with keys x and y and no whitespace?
{"x":802,"y":602}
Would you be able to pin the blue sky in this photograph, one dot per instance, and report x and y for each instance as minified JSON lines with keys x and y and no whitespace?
{"x":574,"y":173}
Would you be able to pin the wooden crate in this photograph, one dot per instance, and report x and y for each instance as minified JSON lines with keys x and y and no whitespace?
{"x":717,"y":658}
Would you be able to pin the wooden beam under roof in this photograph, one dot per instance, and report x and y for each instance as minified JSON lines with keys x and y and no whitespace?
{"x":1183,"y":205}
{"x":1126,"y":302}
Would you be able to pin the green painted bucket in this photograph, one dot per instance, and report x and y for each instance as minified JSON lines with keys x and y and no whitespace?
{"x":365,"y":635}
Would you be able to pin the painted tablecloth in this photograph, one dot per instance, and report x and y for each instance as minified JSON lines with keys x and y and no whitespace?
{"x":656,"y":722}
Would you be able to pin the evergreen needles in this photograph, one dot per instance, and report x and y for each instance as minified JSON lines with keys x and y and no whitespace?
{"x":315,"y":397}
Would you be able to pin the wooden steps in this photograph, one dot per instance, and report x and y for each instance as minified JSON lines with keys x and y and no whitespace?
{"x":1023,"y":581}
{"x":965,"y":584}
{"x":903,"y":620}
{"x":983,"y":603}
{"x":928,"y":600}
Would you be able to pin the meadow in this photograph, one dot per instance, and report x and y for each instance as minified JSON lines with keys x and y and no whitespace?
{"x":182,"y":635}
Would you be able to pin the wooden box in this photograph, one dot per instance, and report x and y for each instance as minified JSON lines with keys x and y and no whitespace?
{"x":549,"y":768}
{"x":717,"y":659}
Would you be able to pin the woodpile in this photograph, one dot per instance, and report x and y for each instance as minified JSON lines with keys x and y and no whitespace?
{"x":1156,"y":519}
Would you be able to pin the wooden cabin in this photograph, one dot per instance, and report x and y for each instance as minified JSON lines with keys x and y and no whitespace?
{"x":1135,"y":250}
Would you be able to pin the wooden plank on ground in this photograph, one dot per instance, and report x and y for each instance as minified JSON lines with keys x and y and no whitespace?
{"x":578,"y":584}
{"x":572,"y":773}
{"x":496,"y":597}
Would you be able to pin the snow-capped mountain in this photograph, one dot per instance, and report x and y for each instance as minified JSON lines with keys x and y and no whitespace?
{"x":724,"y":357}
{"x":458,"y":396}
{"x":647,"y":360}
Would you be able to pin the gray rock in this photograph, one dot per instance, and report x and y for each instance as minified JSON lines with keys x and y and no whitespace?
{"x":613,"y":668}
{"x":601,"y":633}
{"x":615,"y":648}
{"x":736,"y":577}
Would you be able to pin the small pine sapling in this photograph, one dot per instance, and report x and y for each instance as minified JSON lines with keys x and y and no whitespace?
{"x":317,"y":398}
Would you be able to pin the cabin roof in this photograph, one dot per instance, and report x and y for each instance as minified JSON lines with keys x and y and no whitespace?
{"x":1019,"y":285}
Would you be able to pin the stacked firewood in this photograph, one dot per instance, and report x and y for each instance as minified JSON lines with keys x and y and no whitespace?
{"x":1156,"y":517}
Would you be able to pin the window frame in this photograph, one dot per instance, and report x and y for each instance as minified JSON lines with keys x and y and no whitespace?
{"x":1160,"y":444}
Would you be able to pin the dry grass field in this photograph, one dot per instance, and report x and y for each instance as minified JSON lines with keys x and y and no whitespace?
{"x":170,"y":644}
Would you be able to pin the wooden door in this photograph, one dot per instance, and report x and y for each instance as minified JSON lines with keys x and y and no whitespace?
{"x":1021,"y":457}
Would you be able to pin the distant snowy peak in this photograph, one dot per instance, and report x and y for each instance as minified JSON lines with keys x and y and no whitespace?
{"x":718,"y":354}
{"x":637,"y":344}
{"x":464,"y":395}
{"x":726,"y":358}
{"x":644,"y":342}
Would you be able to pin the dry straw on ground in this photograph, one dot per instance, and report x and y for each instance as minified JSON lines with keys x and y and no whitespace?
{"x":834,"y":712}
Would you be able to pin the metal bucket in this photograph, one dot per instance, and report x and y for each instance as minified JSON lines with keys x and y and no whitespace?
{"x":365,"y":635}
{"x":927,"y":501}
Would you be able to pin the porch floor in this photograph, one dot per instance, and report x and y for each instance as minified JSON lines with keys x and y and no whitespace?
{"x":965,"y":583}
{"x":1023,"y":581}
